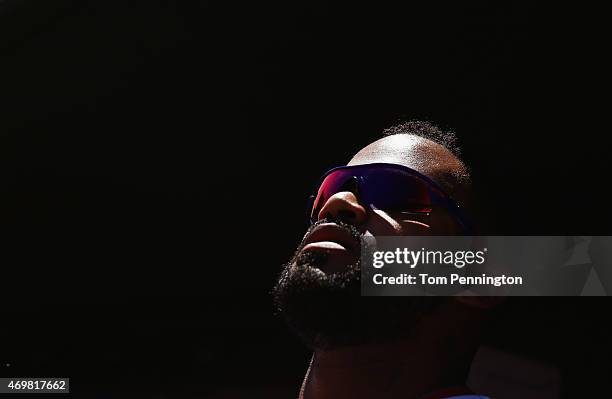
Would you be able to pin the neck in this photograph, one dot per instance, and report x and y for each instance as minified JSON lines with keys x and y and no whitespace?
{"x":412,"y":368}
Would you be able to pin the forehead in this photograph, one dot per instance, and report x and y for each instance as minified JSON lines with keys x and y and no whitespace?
{"x":420,"y":154}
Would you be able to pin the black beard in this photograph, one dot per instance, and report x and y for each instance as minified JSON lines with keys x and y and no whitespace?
{"x":327,"y":310}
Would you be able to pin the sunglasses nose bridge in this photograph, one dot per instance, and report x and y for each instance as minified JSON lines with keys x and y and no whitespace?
{"x":351,"y":185}
{"x":344,"y":205}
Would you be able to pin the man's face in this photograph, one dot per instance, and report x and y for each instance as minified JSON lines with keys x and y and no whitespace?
{"x":318,"y":291}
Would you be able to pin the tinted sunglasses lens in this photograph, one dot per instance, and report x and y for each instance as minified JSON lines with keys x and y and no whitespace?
{"x":332,"y":184}
{"x":395,"y":190}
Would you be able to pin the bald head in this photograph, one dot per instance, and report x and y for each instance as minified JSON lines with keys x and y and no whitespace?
{"x":423,"y":155}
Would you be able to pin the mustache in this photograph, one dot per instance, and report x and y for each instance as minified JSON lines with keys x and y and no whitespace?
{"x":314,"y":258}
{"x":348,"y":228}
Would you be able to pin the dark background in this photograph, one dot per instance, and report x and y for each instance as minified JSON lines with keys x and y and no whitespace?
{"x":155,"y":159}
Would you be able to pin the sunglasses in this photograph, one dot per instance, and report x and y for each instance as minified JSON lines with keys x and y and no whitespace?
{"x":389,"y":187}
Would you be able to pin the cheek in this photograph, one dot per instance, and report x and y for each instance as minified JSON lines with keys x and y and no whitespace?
{"x":416,"y":228}
{"x":383,"y":224}
{"x":443,"y":223}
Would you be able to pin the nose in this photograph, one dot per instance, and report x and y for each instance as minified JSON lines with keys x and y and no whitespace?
{"x":345,"y":207}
